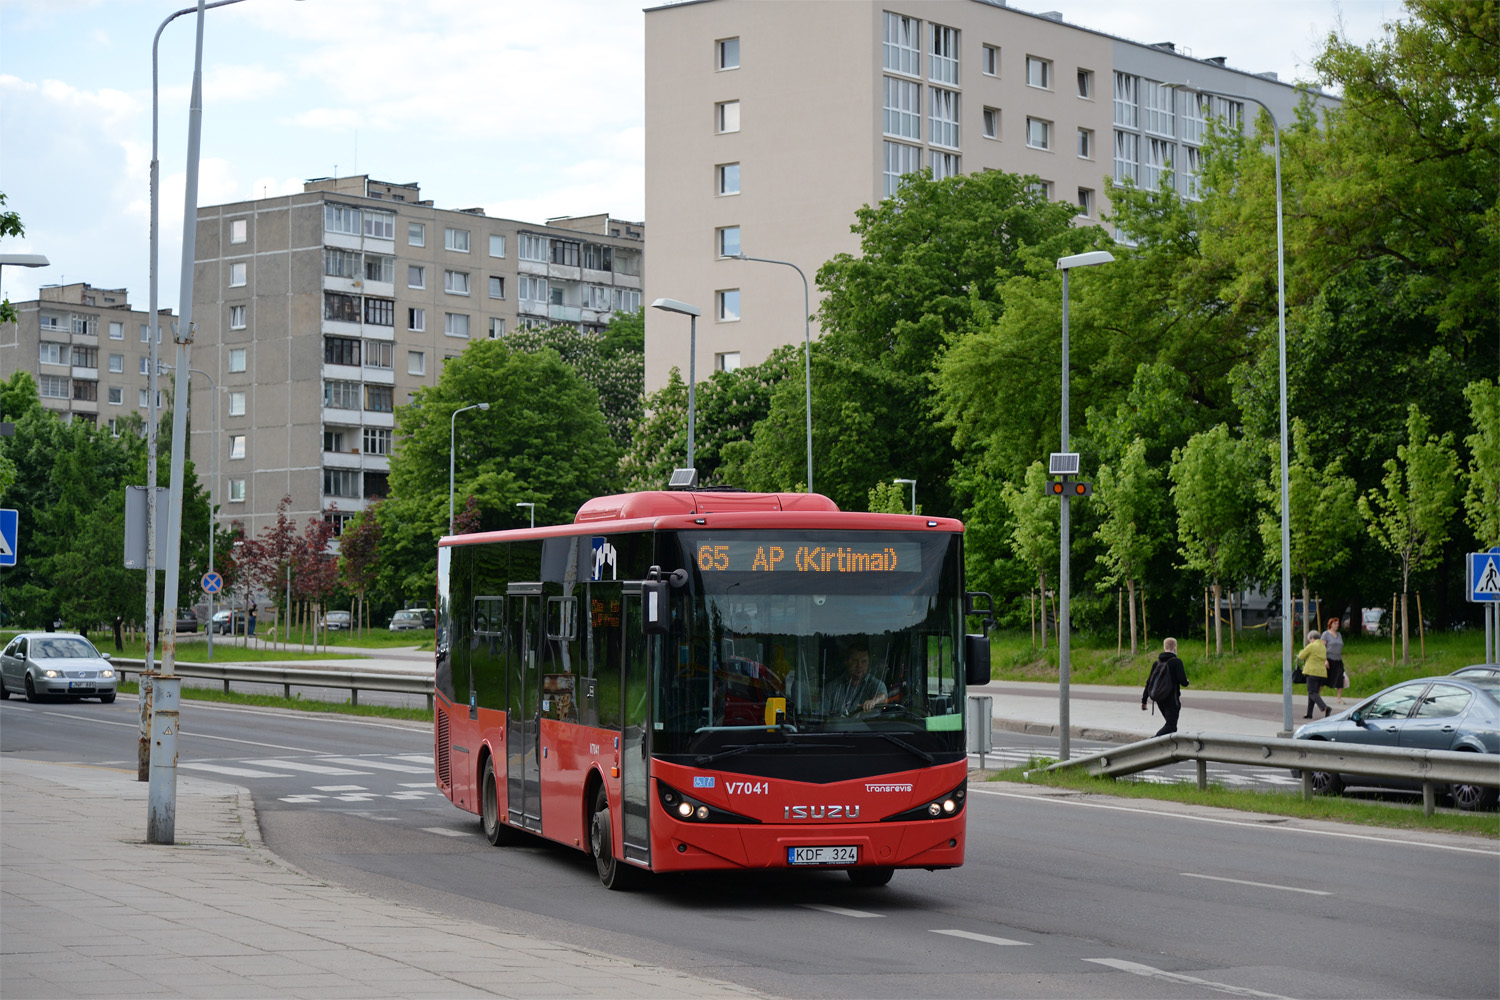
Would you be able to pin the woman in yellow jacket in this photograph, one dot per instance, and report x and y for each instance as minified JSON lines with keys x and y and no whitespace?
{"x":1315,"y":668}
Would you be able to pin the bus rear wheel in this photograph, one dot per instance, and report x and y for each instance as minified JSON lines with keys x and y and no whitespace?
{"x":870,"y":876}
{"x":497,"y":833}
{"x":613,"y":872}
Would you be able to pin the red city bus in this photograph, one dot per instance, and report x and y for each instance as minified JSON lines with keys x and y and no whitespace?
{"x":712,"y":679}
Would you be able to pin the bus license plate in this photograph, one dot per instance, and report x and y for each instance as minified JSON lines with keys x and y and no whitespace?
{"x":822,"y":855}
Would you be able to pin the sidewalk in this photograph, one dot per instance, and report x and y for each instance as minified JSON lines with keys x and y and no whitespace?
{"x":1113,"y":714}
{"x":88,"y":909}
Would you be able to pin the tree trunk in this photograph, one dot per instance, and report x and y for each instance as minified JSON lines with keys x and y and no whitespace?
{"x":1405,"y":635}
{"x":1302,"y":635}
{"x":1130,"y":590}
{"x":1231,"y":622}
{"x":1145,"y":632}
{"x":1218,"y":622}
{"x":1421,"y":628}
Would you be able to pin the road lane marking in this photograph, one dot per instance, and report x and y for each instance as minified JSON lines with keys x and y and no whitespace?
{"x":299,"y":766}
{"x":1176,"y":977}
{"x":985,"y":938}
{"x":379,"y":765}
{"x":340,"y":788}
{"x":839,"y":910}
{"x":1056,"y":800}
{"x":415,"y":758}
{"x":444,"y":831}
{"x":233,"y":772}
{"x":1259,"y":885}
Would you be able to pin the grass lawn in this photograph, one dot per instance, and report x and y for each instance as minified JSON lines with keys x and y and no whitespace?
{"x":131,"y":689}
{"x":193,"y":647}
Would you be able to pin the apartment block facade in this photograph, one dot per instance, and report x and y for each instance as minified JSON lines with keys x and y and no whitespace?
{"x":769,"y":124}
{"x":318,"y":313}
{"x":88,"y":351}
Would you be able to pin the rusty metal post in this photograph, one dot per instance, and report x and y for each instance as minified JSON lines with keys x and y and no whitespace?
{"x":161,"y":812}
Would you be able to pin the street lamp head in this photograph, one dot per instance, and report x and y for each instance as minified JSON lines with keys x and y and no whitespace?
{"x":24,"y":260}
{"x":1085,"y":259}
{"x":905,"y":482}
{"x":484,"y":406}
{"x":672,"y":305}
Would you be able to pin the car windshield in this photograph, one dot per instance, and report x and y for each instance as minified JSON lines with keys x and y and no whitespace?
{"x":59,"y":649}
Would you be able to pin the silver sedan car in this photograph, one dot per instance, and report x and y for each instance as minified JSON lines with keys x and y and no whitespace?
{"x":55,"y":663}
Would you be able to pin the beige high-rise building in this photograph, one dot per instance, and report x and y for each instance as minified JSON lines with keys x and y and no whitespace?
{"x":318,"y":313}
{"x":768,"y":124}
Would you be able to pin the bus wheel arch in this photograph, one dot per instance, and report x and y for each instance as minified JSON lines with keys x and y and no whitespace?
{"x":614,"y":873}
{"x":498,"y":832}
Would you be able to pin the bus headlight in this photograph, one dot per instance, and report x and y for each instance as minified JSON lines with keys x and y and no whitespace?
{"x":685,"y":810}
{"x":688,"y":809}
{"x":942,"y":807}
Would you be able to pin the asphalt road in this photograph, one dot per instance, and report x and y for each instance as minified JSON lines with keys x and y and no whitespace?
{"x":1062,"y":895}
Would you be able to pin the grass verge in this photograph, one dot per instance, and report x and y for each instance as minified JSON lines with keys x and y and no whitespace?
{"x":1386,"y":812}
{"x":297,"y":704}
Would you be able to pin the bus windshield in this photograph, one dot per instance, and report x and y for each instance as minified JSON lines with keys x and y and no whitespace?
{"x":785,"y":634}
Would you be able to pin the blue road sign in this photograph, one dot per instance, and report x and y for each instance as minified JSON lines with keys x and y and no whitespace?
{"x":1484,"y":576}
{"x":212,"y":582}
{"x":10,"y":523}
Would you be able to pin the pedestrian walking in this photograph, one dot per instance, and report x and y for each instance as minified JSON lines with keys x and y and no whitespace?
{"x":1314,"y":657}
{"x":252,"y":620}
{"x":1333,"y":643}
{"x":1164,"y":686}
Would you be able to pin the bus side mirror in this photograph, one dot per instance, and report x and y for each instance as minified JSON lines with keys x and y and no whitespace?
{"x":655,"y":619}
{"x":977,"y":659}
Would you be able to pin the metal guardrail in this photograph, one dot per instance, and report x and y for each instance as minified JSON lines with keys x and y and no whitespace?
{"x":353,"y":681}
{"x":1429,"y":768}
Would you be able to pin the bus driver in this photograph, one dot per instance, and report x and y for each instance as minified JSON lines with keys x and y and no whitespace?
{"x":855,"y":691}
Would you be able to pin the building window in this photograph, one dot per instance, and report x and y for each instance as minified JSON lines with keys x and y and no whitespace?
{"x":145,"y":333}
{"x":944,"y":165}
{"x":1127,"y":156}
{"x":1038,"y":73}
{"x":456,"y":324}
{"x":236,"y":446}
{"x":627,"y":300}
{"x":728,"y":241}
{"x":236,"y":491}
{"x":145,"y":366}
{"x":380,"y":354}
{"x":236,"y":404}
{"x":377,"y":441}
{"x":497,"y":246}
{"x":416,"y":234}
{"x":380,"y":312}
{"x":728,"y":178}
{"x":380,"y":225}
{"x":146,"y":396}
{"x":1086,"y":143}
{"x":1042,"y":189}
{"x":85,"y":357}
{"x":380,"y":268}
{"x":117,"y":363}
{"x":942,"y":125}
{"x":416,"y":320}
{"x":340,"y":263}
{"x":341,"y":395}
{"x":942,"y":62}
{"x":497,"y":327}
{"x":597,"y":257}
{"x":53,"y":386}
{"x":340,"y":351}
{"x":54,"y":323}
{"x":1191,"y":118}
{"x":1191,"y":172}
{"x":456,"y":240}
{"x":51,"y":354}
{"x":566,"y":252}
{"x":238,"y":230}
{"x":236,"y":317}
{"x":341,"y":307}
{"x":85,"y":390}
{"x":341,"y":219}
{"x":237,"y":359}
{"x":1086,"y":83}
{"x":992,"y":123}
{"x":903,"y":111}
{"x":341,"y":483}
{"x":900,"y":159}
{"x":1127,"y":90}
{"x":416,"y":363}
{"x":87,"y":325}
{"x":1157,"y":111}
{"x":116,"y":395}
{"x":380,"y":399}
{"x":1038,"y":133}
{"x":728,"y":52}
{"x":729,"y":361}
{"x":1157,"y":160}
{"x":456,"y":282}
{"x":237,"y":274}
{"x":116,"y":331}
{"x":533,"y":248}
{"x":902,"y":36}
{"x":1086,"y":202}
{"x":627,"y":262}
{"x":497,"y":286}
{"x":728,"y":305}
{"x":416,"y":276}
{"x":533,"y":293}
{"x":727,"y":116}
{"x":989,"y":61}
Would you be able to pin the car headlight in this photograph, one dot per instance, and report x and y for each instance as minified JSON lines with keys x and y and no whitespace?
{"x":106,"y":673}
{"x":51,"y":673}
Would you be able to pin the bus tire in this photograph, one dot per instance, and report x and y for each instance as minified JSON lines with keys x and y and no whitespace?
{"x":870,"y":876}
{"x":499,"y":834}
{"x":613,"y":872}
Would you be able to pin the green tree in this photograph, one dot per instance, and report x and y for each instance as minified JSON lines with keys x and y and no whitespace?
{"x":10,"y":225}
{"x":1132,"y":502}
{"x":890,"y":498}
{"x":359,"y":554}
{"x":1035,"y":525}
{"x":1482,"y":498}
{"x":612,"y":362}
{"x":1211,"y":479}
{"x":1411,"y":516}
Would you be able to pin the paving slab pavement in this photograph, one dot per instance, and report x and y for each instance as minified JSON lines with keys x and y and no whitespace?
{"x":88,"y":909}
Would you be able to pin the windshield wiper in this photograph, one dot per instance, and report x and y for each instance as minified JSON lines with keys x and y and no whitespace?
{"x":742,"y":748}
{"x":927,"y":757}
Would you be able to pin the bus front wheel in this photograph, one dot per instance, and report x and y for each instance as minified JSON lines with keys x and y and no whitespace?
{"x":497,"y":833}
{"x":613,"y":872}
{"x":870,"y":876}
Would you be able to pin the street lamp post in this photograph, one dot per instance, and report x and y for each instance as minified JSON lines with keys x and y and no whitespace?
{"x":692,"y":313}
{"x":532,"y":506}
{"x":213,"y":484}
{"x":913,"y":484}
{"x":1286,"y":512}
{"x":452,"y":429}
{"x":1064,"y":584}
{"x":807,"y":354}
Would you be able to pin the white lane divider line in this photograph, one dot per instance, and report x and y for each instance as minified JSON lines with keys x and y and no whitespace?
{"x":379,"y":765}
{"x":1176,"y":977}
{"x":983,"y":938}
{"x":839,"y":910}
{"x":444,"y":831}
{"x":233,"y":772}
{"x":415,"y":758}
{"x":340,"y":788}
{"x":1258,"y":885}
{"x":292,"y":765}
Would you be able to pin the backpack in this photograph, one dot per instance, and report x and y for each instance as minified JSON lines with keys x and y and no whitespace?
{"x":1159,"y":682}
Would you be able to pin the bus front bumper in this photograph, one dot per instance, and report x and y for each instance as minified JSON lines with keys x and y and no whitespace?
{"x":680,"y":846}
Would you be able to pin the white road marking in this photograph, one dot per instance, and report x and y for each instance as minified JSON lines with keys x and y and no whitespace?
{"x":1279,"y":827}
{"x":1177,"y":977}
{"x":416,"y":784}
{"x":1259,"y":885}
{"x":301,"y":799}
{"x":235,"y":772}
{"x":411,"y":796}
{"x":985,"y":938}
{"x":340,"y":788}
{"x":379,"y":765}
{"x":415,"y":758}
{"x":839,"y":910}
{"x":444,"y":831}
{"x":356,"y":797}
{"x":310,"y":768}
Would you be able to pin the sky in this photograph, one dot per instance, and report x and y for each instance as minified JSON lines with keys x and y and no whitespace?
{"x":530,"y":109}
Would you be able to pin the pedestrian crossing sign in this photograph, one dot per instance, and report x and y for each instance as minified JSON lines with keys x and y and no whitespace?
{"x":1484,"y":576}
{"x":9,"y":526}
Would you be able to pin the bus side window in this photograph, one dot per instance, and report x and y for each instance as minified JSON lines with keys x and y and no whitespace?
{"x":607,"y":648}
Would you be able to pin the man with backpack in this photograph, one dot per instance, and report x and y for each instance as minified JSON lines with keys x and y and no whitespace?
{"x":1164,"y":686}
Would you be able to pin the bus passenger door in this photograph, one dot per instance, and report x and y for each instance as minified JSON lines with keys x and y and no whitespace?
{"x":635,"y":743}
{"x":523,"y":720}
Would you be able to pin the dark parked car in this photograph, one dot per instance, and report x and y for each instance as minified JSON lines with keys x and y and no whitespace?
{"x":221,"y":622}
{"x":1431,"y":713}
{"x":55,"y":663}
{"x":187,"y":622}
{"x":408,"y":619}
{"x":337,"y":621}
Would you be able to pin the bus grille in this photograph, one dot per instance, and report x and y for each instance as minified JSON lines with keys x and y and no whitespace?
{"x":443,"y":773}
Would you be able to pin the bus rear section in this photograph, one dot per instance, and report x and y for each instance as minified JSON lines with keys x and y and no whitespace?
{"x":712,"y":685}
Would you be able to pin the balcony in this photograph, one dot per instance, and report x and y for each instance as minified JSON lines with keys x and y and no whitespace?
{"x":565,"y":314}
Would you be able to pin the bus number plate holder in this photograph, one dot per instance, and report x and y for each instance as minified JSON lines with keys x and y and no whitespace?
{"x":844,"y":855}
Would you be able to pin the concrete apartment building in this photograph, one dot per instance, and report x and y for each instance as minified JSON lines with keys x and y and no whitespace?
{"x":769,"y":124}
{"x":318,"y":313}
{"x":88,"y":351}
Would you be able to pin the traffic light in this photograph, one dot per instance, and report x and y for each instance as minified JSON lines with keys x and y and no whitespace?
{"x":1055,"y":488}
{"x":1069,"y":488}
{"x":1082,"y":489}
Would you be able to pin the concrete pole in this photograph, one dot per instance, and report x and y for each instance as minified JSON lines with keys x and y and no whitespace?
{"x":1064,"y":583}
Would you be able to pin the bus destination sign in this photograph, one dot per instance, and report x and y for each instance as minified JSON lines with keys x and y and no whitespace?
{"x":744,"y":556}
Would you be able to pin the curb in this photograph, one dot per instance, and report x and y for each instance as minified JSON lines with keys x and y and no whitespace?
{"x":1074,"y":732}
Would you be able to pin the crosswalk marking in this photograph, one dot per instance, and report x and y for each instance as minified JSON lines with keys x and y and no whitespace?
{"x":233,"y":772}
{"x":293,"y":765}
{"x":340,"y":788}
{"x":415,"y":758}
{"x":839,"y":910}
{"x":380,"y":765}
{"x":443,"y":831}
{"x":983,"y":938}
